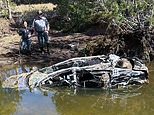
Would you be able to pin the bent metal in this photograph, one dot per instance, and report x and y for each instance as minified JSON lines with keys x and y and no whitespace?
{"x":85,"y":72}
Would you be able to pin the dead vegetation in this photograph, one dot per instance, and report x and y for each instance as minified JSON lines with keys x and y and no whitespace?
{"x":34,"y":7}
{"x":138,"y":43}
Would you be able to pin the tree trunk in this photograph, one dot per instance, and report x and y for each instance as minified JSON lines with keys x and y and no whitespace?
{"x":9,"y":9}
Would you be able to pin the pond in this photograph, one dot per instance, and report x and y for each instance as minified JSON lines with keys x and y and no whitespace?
{"x":58,"y":101}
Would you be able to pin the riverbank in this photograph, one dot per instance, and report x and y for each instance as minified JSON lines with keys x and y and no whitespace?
{"x":94,"y":41}
{"x":62,"y":47}
{"x":65,"y":46}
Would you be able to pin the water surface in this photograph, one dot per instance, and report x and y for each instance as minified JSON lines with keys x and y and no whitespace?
{"x":58,"y":101}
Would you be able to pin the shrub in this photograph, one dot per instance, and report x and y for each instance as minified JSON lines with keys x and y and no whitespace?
{"x":76,"y":15}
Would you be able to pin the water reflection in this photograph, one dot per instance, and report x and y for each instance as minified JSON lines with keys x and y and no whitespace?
{"x":10,"y":98}
{"x":96,"y":102}
{"x":7,"y":71}
{"x":9,"y":101}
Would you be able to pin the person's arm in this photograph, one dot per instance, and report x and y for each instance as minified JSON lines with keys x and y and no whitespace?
{"x":20,"y":32}
{"x":33,"y":25}
{"x":47,"y":25}
{"x":33,"y":30}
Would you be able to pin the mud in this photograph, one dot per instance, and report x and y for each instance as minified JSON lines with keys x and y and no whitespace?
{"x":64,"y":46}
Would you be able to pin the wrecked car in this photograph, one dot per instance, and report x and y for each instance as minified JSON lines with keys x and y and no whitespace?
{"x":85,"y":72}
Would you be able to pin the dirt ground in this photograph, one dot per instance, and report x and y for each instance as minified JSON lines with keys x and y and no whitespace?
{"x":10,"y":40}
{"x":62,"y":47}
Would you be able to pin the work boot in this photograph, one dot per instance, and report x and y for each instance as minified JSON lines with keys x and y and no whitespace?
{"x":42,"y":50}
{"x":48,"y":49}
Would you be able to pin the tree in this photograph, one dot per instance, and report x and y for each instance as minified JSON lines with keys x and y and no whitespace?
{"x":123,"y":14}
{"x":9,"y":9}
{"x":5,"y":9}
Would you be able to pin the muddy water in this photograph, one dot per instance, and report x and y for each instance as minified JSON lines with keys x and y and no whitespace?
{"x":136,"y":101}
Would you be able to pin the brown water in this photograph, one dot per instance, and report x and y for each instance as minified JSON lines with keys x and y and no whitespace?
{"x":137,"y":101}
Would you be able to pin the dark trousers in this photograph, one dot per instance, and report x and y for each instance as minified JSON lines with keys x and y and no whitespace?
{"x":25,"y":46}
{"x":43,"y":40}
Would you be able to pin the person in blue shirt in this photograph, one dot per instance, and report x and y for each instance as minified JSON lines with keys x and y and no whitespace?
{"x":41,"y":27}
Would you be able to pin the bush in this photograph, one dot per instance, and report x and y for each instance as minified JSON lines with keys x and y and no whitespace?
{"x":76,"y":15}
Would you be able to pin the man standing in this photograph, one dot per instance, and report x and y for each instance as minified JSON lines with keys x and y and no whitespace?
{"x":41,"y":27}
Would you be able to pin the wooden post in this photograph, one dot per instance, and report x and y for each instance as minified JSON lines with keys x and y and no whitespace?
{"x":9,"y":9}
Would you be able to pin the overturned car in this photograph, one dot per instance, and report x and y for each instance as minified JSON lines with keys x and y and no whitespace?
{"x":86,"y":72}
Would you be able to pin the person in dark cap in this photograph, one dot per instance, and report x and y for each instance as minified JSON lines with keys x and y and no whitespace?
{"x":41,"y":27}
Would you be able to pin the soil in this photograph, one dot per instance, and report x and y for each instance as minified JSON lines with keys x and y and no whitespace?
{"x":65,"y":46}
{"x":9,"y":40}
{"x":62,"y":47}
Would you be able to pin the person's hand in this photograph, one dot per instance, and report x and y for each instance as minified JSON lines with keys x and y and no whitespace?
{"x":47,"y":31}
{"x":29,"y":35}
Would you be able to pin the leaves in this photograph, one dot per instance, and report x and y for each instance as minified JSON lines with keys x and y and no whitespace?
{"x":89,"y":12}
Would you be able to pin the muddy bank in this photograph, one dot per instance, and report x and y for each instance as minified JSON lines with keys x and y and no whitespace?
{"x":61,"y":48}
{"x":138,"y":43}
{"x":64,"y":46}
